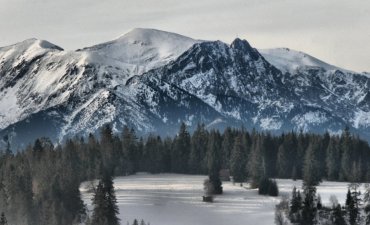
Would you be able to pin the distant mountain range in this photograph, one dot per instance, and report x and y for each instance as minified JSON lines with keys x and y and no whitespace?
{"x":153,"y":80}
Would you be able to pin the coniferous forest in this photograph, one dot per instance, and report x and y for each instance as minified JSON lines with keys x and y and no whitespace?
{"x":40,"y":184}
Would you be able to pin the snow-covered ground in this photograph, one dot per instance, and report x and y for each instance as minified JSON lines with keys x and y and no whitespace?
{"x":172,"y":199}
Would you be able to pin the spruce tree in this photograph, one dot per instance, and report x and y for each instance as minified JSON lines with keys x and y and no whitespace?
{"x":227,"y":147}
{"x":348,"y":198}
{"x":319,"y":203}
{"x":105,"y":203}
{"x":311,"y":168}
{"x":332,"y":160}
{"x":346,"y":149}
{"x":295,"y":203}
{"x":99,"y":203}
{"x":214,"y":161}
{"x":353,"y":203}
{"x":337,"y":215}
{"x":286,"y":156}
{"x":181,"y":150}
{"x":109,"y":153}
{"x":129,"y":148}
{"x":112,"y":208}
{"x":3,"y":220}
{"x":256,"y":164}
{"x":136,"y":222}
{"x":237,"y":161}
{"x":367,"y":204}
{"x":309,"y":207}
{"x":198,"y":150}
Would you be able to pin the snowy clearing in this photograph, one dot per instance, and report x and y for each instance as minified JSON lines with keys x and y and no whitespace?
{"x":172,"y":199}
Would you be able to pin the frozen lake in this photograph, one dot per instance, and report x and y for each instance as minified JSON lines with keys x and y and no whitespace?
{"x":172,"y":199}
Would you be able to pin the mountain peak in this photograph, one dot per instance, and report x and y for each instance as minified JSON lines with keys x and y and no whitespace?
{"x":240,"y":44}
{"x":144,"y":49}
{"x":288,"y":60}
{"x":147,"y":36}
{"x":33,"y":43}
{"x":245,"y":47}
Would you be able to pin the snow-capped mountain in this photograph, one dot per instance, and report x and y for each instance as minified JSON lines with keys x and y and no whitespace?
{"x":291,"y":61}
{"x":152,"y":80}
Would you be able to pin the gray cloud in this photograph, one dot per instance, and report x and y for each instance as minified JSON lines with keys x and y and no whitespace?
{"x":336,"y":31}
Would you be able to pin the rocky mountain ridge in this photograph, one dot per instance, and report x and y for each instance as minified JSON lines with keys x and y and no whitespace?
{"x":152,"y":80}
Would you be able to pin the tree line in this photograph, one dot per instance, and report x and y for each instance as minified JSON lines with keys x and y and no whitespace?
{"x":307,"y":209}
{"x":40,"y":185}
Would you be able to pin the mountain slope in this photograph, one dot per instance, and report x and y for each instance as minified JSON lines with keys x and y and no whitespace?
{"x":152,"y":80}
{"x":291,"y":61}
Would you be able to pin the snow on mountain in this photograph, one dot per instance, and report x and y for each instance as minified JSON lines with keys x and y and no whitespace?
{"x":291,"y":61}
{"x":76,"y":89}
{"x":143,"y":49}
{"x":152,"y":80}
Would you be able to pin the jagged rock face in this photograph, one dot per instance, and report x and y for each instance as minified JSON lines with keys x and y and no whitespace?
{"x":152,"y":80}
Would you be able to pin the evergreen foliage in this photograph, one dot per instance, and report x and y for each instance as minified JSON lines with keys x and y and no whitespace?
{"x":268,"y":187}
{"x":312,"y":211}
{"x":295,"y":206}
{"x":3,"y":220}
{"x":238,"y":161}
{"x":105,"y":203}
{"x":337,"y":216}
{"x":43,"y":180}
{"x":311,"y":168}
{"x":353,"y":202}
{"x":214,"y":161}
{"x":309,"y":209}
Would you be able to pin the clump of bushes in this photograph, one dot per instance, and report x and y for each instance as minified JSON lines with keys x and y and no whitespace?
{"x":268,"y":186}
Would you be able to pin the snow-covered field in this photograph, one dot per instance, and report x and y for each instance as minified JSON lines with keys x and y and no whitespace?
{"x":172,"y":199}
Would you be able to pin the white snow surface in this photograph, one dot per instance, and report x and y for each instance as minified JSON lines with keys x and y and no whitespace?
{"x":288,"y":60}
{"x":144,"y":49}
{"x":171,"y":199}
{"x":61,"y":73}
{"x":36,"y":75}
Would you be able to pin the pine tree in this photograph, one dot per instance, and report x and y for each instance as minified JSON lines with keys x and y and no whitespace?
{"x":214,"y":161}
{"x":319,"y":204}
{"x":295,"y":206}
{"x":112,"y":208}
{"x":299,"y":160}
{"x":198,"y":150}
{"x":311,"y":168}
{"x":346,"y":139}
{"x":181,"y":151}
{"x":337,"y":215}
{"x":3,"y":220}
{"x":99,"y":203}
{"x":353,"y":202}
{"x":348,"y":198}
{"x":367,"y":204}
{"x":129,"y":148}
{"x":333,"y":160}
{"x":256,"y":164}
{"x":237,"y":161}
{"x":296,"y":201}
{"x":37,"y":149}
{"x":286,"y":156}
{"x":227,"y":147}
{"x":309,"y":207}
{"x":135,"y":222}
{"x":105,"y":203}
{"x":8,"y":151}
{"x":109,"y":153}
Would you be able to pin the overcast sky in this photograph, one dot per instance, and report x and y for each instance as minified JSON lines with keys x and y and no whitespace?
{"x":337,"y":31}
